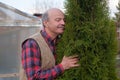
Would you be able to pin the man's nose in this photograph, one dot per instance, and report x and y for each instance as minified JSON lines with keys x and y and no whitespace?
{"x":63,"y":22}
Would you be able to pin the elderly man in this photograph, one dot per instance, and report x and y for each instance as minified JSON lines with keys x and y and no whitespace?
{"x":38,"y":51}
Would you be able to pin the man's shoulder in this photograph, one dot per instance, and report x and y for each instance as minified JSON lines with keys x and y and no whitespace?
{"x":31,"y":38}
{"x":29,"y":41}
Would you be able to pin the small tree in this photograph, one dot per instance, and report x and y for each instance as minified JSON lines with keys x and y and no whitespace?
{"x":91,"y":35}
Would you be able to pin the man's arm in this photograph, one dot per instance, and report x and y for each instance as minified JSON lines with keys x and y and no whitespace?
{"x":31,"y":61}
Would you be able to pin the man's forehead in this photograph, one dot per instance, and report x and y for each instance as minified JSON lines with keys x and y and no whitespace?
{"x":56,"y":16}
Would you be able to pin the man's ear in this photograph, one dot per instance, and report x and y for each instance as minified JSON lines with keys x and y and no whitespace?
{"x":45,"y":23}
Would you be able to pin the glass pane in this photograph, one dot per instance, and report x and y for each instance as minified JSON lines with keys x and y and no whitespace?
{"x":10,"y":78}
{"x":9,"y":52}
{"x":10,"y":48}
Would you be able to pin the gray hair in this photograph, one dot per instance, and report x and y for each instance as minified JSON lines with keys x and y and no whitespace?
{"x":45,"y":16}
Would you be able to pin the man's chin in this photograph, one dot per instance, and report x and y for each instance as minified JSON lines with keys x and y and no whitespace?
{"x":61,"y":32}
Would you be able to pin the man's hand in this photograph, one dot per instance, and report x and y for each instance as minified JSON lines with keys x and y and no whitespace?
{"x":70,"y":62}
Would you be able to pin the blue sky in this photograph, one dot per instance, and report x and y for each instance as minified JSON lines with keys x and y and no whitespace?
{"x":28,"y":6}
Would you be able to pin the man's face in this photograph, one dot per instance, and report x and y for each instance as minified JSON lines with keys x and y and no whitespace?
{"x":55,"y":23}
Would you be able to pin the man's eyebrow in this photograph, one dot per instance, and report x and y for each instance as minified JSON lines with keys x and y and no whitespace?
{"x":58,"y":18}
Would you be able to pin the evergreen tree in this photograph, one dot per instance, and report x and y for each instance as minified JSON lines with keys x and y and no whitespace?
{"x":90,"y":34}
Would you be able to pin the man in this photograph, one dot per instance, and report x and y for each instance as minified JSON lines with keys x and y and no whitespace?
{"x":38,"y":51}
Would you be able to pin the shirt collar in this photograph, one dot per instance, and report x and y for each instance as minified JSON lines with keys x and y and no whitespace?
{"x":47,"y":36}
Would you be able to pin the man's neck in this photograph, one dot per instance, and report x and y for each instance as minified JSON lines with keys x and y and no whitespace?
{"x":52,"y":35}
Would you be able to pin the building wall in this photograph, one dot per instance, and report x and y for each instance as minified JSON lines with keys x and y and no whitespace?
{"x":10,"y":50}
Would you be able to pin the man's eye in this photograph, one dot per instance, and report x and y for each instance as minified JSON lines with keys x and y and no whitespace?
{"x":57,"y":20}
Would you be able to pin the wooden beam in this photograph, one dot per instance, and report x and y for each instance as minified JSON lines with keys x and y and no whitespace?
{"x":9,"y":75}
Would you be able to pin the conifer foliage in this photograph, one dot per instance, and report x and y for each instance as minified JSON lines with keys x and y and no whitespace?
{"x":90,"y":34}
